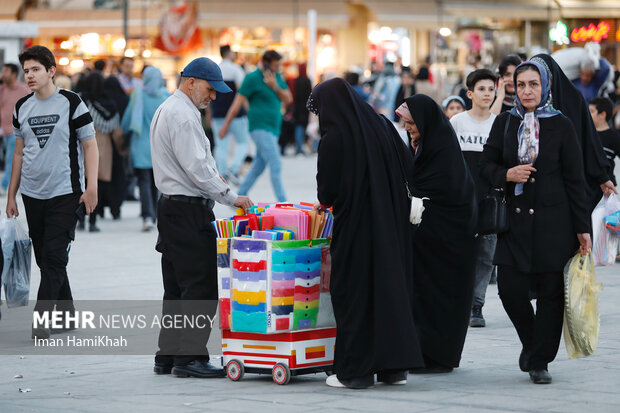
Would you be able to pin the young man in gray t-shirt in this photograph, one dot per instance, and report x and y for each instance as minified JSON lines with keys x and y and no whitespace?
{"x":54,"y":140}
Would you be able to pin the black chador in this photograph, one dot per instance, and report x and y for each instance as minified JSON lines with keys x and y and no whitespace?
{"x":443,"y":245}
{"x":359,"y":175}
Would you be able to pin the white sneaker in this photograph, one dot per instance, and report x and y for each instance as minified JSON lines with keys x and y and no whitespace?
{"x":147,"y":225}
{"x":332,"y":381}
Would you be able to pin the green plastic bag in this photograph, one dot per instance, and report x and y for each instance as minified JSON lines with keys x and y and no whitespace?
{"x":581,"y":311}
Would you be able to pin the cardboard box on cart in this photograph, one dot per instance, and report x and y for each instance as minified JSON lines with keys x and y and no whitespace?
{"x":275,"y":309}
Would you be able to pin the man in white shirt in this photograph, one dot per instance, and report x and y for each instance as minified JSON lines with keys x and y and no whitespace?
{"x":472,"y":130}
{"x":186,"y":175}
{"x":233,"y":75}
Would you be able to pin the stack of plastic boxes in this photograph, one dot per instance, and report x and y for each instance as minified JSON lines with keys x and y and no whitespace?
{"x":274,"y":286}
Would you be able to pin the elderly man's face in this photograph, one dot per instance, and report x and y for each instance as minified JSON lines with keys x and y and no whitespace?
{"x":586,"y":76}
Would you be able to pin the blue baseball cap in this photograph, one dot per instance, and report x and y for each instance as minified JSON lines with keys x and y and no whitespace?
{"x":206,"y":69}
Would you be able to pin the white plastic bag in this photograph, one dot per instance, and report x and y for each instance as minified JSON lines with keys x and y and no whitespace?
{"x":17,"y":250}
{"x":604,"y":242}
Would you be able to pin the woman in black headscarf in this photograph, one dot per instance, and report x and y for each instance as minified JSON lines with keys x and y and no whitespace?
{"x":443,"y":245}
{"x":568,"y":99}
{"x":359,"y":174}
{"x":106,"y":119}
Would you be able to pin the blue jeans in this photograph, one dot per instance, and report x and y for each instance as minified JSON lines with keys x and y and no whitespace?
{"x":300,"y":137}
{"x":267,"y":153}
{"x":9,"y":144}
{"x":239,"y":129}
{"x":148,"y":193}
{"x":484,"y":267}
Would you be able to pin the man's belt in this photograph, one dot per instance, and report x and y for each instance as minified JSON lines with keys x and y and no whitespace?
{"x":195,"y":200}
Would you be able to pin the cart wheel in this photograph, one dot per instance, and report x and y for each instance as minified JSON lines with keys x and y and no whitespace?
{"x":234,"y":370}
{"x":281,"y":373}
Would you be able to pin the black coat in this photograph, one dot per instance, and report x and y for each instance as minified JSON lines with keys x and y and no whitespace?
{"x":544,"y":220}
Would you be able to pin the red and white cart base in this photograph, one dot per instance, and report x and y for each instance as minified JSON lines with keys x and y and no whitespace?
{"x":282,"y":355}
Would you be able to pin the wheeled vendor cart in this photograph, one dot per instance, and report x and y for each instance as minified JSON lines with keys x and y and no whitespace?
{"x":282,"y":355}
{"x":275,"y":309}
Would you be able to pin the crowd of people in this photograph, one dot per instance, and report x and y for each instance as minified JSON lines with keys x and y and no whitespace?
{"x":525,"y":130}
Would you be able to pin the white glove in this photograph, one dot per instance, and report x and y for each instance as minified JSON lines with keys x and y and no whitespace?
{"x":417,"y":207}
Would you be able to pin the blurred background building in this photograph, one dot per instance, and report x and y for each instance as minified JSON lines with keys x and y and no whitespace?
{"x":363,"y":34}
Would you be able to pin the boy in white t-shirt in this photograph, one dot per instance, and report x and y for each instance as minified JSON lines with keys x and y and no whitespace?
{"x":472,"y":130}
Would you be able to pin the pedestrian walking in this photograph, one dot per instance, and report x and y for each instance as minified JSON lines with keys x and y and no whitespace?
{"x":11,"y":90}
{"x":186,"y":175}
{"x":106,"y":119}
{"x":601,"y":110}
{"x":233,"y":75}
{"x":303,"y":88}
{"x":472,"y":130}
{"x":54,"y":150}
{"x":505,"y":100}
{"x":443,"y":243}
{"x":136,"y":123}
{"x":265,"y":91}
{"x":534,"y":154}
{"x":568,"y":99}
{"x":371,"y":277}
{"x":453,"y":105}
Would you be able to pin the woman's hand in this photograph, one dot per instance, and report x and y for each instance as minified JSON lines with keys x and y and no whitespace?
{"x":318,"y":207}
{"x":520,"y":173}
{"x":585,"y":243}
{"x":608,"y":188}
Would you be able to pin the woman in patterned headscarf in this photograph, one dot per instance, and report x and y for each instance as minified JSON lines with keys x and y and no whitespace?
{"x":533,"y":153}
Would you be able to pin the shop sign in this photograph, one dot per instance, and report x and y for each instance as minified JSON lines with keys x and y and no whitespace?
{"x":591,"y":33}
{"x":178,"y":29}
{"x":559,"y":33}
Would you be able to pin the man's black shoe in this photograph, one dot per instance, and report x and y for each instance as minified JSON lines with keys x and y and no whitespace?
{"x":540,"y":376}
{"x":524,"y":361}
{"x":162,"y":368}
{"x":200,"y":369}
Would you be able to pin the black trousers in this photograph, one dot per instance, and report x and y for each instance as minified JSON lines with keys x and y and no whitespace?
{"x":187,"y":241}
{"x":51,"y":224}
{"x":539,"y":332}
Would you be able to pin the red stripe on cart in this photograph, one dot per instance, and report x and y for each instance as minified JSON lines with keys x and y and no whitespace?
{"x":269,"y":363}
{"x":239,"y":353}
{"x":287,"y":337}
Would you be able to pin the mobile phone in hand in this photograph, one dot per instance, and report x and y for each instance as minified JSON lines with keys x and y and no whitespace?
{"x":81,"y":211}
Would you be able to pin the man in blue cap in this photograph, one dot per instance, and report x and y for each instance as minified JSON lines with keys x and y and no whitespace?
{"x":186,"y":175}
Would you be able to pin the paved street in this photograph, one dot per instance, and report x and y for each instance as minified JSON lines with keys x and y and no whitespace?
{"x":120,"y":263}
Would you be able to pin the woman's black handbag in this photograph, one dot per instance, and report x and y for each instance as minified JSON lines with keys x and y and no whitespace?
{"x":493,"y":213}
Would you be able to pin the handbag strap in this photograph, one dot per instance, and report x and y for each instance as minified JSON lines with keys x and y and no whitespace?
{"x":402,"y":168}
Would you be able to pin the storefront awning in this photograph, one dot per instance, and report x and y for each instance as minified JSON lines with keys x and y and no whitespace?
{"x":9,"y":9}
{"x":271,"y":14}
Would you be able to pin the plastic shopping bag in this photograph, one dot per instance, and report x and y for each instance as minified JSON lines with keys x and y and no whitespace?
{"x":604,"y":242}
{"x":17,"y":250}
{"x":581,"y":312}
{"x":612,"y":223}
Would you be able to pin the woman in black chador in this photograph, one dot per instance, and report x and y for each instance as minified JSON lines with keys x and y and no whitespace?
{"x":359,"y":175}
{"x":443,"y":245}
{"x":568,"y":99}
